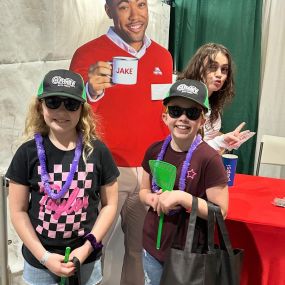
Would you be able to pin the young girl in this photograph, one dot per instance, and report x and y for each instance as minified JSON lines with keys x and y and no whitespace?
{"x":200,"y":172}
{"x":212,"y":64}
{"x":57,"y":179}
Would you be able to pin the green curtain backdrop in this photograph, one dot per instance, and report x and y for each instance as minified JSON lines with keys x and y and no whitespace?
{"x":237,"y":25}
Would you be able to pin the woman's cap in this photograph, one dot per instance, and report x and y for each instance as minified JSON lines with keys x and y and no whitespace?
{"x":190,"y":89}
{"x":62,"y":82}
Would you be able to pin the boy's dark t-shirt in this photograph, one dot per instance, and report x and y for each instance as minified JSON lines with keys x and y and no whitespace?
{"x":206,"y":170}
{"x":62,"y":222}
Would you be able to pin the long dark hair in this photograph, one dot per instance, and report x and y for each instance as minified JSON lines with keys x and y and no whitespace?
{"x":197,"y":69}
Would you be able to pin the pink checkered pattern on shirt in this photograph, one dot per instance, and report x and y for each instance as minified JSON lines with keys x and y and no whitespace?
{"x":55,"y":221}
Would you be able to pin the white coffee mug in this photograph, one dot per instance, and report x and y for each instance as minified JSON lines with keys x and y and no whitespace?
{"x":124,"y":70}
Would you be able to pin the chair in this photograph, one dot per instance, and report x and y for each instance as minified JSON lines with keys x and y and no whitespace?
{"x":271,"y":151}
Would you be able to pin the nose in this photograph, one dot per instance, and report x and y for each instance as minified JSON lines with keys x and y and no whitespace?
{"x":133,"y":11}
{"x":218,"y":71}
{"x":183,"y":116}
{"x":61,"y":106}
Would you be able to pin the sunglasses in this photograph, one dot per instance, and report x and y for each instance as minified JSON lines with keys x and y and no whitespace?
{"x":192,"y":113}
{"x":69,"y":103}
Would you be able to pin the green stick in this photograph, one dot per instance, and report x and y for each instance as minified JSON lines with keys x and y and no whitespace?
{"x":159,"y":230}
{"x":66,"y":259}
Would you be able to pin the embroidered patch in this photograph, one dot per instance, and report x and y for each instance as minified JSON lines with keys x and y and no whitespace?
{"x":157,"y":71}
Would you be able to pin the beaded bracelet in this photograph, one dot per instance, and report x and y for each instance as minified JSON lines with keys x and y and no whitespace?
{"x":45,"y":257}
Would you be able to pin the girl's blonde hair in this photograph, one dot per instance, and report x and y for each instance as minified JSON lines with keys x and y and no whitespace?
{"x":35,"y":123}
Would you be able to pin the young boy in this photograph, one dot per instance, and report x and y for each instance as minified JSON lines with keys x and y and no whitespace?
{"x":200,"y":173}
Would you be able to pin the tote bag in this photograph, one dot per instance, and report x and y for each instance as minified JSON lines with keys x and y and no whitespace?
{"x":221,"y":265}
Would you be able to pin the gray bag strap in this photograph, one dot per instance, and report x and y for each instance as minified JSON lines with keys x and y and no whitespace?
{"x":223,"y":232}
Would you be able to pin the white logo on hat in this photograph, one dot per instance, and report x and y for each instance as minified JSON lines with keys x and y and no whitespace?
{"x":66,"y":82}
{"x":188,"y":89}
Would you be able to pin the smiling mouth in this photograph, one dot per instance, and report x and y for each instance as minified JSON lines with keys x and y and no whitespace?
{"x":60,"y":121}
{"x":182,"y":127}
{"x":135,"y":28}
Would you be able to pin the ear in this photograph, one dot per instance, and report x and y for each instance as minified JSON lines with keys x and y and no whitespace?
{"x":202,"y":122}
{"x":108,"y":10}
{"x":39,"y":107}
{"x":164,"y":118}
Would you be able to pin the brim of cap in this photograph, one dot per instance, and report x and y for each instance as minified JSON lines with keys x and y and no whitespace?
{"x":45,"y":95}
{"x":167,"y":99}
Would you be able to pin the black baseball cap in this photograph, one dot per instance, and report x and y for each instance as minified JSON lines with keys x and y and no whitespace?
{"x":190,"y":89}
{"x":62,"y":82}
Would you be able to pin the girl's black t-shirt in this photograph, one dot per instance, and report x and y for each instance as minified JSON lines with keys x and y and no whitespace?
{"x":65,"y":221}
{"x":206,"y":170}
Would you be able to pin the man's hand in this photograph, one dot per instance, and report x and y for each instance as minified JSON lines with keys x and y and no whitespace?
{"x":99,"y":75}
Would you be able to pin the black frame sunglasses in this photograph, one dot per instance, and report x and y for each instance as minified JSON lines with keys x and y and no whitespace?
{"x":70,"y":104}
{"x":192,"y":113}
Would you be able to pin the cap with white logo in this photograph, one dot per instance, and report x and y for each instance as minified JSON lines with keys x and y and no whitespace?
{"x":191,"y":89}
{"x":62,"y":82}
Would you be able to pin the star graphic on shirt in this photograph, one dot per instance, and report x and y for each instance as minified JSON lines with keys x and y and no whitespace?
{"x":191,"y":174}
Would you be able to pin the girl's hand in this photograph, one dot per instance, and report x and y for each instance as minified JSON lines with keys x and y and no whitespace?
{"x":152,"y":199}
{"x":82,"y":252}
{"x":235,"y":136}
{"x":169,"y":200}
{"x":56,"y":265}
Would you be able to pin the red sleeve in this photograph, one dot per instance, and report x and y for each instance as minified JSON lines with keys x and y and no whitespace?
{"x":79,"y":64}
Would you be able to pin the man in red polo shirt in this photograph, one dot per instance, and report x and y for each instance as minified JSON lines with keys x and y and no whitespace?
{"x":129,"y":116}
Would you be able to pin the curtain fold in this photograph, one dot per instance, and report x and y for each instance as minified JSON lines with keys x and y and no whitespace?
{"x":237,"y":25}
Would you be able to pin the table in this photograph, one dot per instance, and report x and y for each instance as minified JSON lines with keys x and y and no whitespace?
{"x":258,"y":226}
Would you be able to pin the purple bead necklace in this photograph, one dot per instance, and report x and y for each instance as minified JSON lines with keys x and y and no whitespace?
{"x":186,"y":163}
{"x":44,"y":173}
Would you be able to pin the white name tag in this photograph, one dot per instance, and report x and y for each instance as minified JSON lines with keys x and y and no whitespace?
{"x":159,"y":91}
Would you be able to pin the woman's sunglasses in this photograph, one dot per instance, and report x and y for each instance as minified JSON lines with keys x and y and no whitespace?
{"x":192,"y":113}
{"x":69,"y":103}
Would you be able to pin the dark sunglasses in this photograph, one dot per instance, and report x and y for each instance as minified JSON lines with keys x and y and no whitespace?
{"x":192,"y":113}
{"x":69,"y":103}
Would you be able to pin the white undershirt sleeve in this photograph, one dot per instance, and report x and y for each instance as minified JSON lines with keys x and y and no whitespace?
{"x":90,"y":96}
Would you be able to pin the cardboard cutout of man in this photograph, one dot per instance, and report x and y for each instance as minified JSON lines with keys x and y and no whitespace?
{"x":130,"y":116}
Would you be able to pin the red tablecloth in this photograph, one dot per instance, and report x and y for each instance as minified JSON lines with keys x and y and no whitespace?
{"x":257,"y":226}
